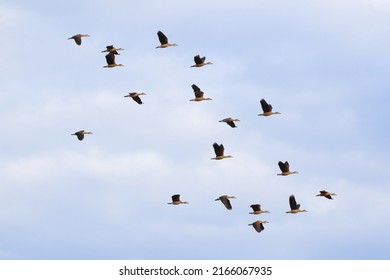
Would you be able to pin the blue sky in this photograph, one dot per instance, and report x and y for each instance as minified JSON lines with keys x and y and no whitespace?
{"x":322,"y":64}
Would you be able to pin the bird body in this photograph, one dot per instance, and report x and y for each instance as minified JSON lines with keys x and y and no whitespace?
{"x":257,"y":209}
{"x":198,"y":94}
{"x":219,"y":152}
{"x":200,"y":61}
{"x":267,"y":109}
{"x":326,"y":194}
{"x":176,"y":200}
{"x":163,"y":41}
{"x":77,"y":38}
{"x":110,"y":59}
{"x":230,"y":121}
{"x":225,"y":200}
{"x":80,"y":134}
{"x":136,"y":96}
{"x":294,"y":206}
{"x":285,"y":168}
{"x":258,"y":225}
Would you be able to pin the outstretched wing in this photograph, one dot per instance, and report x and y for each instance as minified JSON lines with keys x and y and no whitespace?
{"x":110,"y":58}
{"x":293,"y":203}
{"x":163,"y":39}
{"x":218,"y":149}
{"x":265,"y":106}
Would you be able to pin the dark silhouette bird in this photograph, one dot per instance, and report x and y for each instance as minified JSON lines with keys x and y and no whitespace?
{"x":163,"y":41}
{"x":136,"y":96}
{"x":326,"y":194}
{"x":112,"y":49}
{"x":257,"y":209}
{"x":230,"y":121}
{"x":110,"y":59}
{"x":294,"y":206}
{"x":225,"y":200}
{"x":77,"y":38}
{"x":176,"y":200}
{"x":80,"y":134}
{"x":267,"y":109}
{"x":258,"y":225}
{"x":219,"y":152}
{"x":285,"y":168}
{"x":198,"y":94}
{"x":200,"y":61}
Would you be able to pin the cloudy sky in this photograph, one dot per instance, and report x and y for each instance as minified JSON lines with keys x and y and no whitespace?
{"x":323,"y":64}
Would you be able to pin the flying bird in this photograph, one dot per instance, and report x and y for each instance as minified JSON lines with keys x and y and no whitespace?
{"x":77,"y":38}
{"x":230,"y":121}
{"x":163,"y":40}
{"x":219,"y":152}
{"x":80,"y":134}
{"x":257,"y":209}
{"x":198,"y":94}
{"x":294,"y":206}
{"x":285,"y":168}
{"x":200,"y":61}
{"x":326,"y":194}
{"x":176,"y":200}
{"x":112,"y":49}
{"x":225,"y":200}
{"x":267,"y":109}
{"x":110,"y":58}
{"x":258,"y":225}
{"x":136,"y":96}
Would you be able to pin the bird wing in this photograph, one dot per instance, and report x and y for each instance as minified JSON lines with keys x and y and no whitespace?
{"x":137,"y":99}
{"x":265,"y":106}
{"x":283,"y":167}
{"x":198,"y":60}
{"x":110,"y":58}
{"x":163,"y":39}
{"x":258,"y":226}
{"x":293,"y":203}
{"x":195,"y":88}
{"x":175,"y":197}
{"x":218,"y":149}
{"x":79,"y":134}
{"x":231,"y":123}
{"x":198,"y":93}
{"x":255,"y":207}
{"x":225,"y":202}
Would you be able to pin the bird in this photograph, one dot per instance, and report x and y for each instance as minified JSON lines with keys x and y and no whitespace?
{"x":164,"y":41}
{"x":294,"y":206}
{"x":77,"y":38}
{"x":176,"y":200}
{"x":135,"y":96}
{"x":112,"y":49}
{"x":110,"y":58}
{"x":285,"y":168}
{"x":258,"y":225}
{"x":267,"y":109}
{"x":230,"y":121}
{"x":199,"y":62}
{"x":80,"y":134}
{"x":257,"y":209}
{"x":219,"y":152}
{"x":326,"y":194}
{"x":198,"y":94}
{"x":225,"y":200}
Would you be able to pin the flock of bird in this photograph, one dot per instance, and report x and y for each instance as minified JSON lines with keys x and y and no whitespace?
{"x":219,"y":149}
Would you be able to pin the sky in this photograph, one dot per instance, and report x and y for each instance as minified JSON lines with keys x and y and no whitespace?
{"x":322,"y":64}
